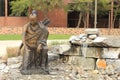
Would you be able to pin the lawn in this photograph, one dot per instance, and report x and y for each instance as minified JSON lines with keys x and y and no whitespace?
{"x":19,"y":37}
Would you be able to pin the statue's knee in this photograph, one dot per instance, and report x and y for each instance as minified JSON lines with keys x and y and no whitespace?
{"x":39,"y":48}
{"x":45,"y":48}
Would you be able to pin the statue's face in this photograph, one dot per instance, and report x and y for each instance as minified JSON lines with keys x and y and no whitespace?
{"x":33,"y":19}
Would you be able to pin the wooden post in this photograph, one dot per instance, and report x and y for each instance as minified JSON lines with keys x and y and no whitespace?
{"x":6,"y":9}
{"x":6,"y":12}
{"x":95,"y":20}
{"x":111,"y":20}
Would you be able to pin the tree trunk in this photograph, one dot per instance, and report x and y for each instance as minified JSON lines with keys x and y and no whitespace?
{"x":87,"y":17}
{"x":109,"y":24}
{"x":79,"y":21}
{"x":115,"y":15}
{"x":85,"y":20}
{"x":119,"y":22}
{"x":109,"y":20}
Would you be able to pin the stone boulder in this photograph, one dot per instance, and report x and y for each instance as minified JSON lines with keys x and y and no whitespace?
{"x":115,"y":63}
{"x":109,"y":41}
{"x":111,"y":53}
{"x":92,"y":31}
{"x":86,"y":63}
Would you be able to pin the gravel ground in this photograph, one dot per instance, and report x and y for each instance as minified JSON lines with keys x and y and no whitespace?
{"x":57,"y":71}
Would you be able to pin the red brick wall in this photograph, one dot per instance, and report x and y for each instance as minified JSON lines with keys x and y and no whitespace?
{"x":53,"y":30}
{"x":13,"y":21}
{"x":2,"y":21}
{"x":58,"y":17}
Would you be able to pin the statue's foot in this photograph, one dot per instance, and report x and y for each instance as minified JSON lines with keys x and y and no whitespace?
{"x":45,"y":69}
{"x":38,"y":67}
{"x":25,"y":72}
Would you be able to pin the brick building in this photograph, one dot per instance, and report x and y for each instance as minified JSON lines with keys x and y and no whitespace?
{"x":58,"y":17}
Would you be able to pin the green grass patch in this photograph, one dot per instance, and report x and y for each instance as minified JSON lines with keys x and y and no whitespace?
{"x":10,"y":37}
{"x":58,"y":36}
{"x":19,"y":37}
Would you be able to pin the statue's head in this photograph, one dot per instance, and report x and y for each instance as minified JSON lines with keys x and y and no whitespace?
{"x":33,"y":19}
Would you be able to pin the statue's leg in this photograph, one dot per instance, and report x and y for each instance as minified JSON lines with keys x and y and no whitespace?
{"x":26,"y":58}
{"x":40,"y":58}
{"x":35,"y":62}
{"x":46,"y":62}
{"x":30,"y":59}
{"x":39,"y":55}
{"x":45,"y":57}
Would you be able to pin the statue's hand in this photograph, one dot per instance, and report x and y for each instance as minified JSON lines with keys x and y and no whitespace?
{"x":39,"y":48}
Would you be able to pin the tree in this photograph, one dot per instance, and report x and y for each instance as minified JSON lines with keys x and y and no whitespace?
{"x":82,"y":6}
{"x":109,"y":7}
{"x":87,"y":6}
{"x":19,"y":6}
{"x":116,"y":9}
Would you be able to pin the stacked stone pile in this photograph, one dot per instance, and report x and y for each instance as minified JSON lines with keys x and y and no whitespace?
{"x":93,"y":51}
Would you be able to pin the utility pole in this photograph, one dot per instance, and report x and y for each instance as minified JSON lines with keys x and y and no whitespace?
{"x":95,"y":18}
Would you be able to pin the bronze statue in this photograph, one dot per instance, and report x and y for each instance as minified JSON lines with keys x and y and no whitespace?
{"x":34,"y":40}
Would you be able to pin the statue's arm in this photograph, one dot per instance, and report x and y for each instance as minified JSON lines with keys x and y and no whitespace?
{"x":24,"y":34}
{"x":23,"y":40}
{"x":42,"y":41}
{"x":19,"y":50}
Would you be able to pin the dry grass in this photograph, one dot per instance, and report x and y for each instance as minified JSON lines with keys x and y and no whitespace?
{"x":12,"y":51}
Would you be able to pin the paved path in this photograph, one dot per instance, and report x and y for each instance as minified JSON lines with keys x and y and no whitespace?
{"x":5,"y":44}
{"x":10,"y":43}
{"x":15,"y":43}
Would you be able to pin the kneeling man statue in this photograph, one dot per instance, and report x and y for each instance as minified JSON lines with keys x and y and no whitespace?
{"x":34,"y":43}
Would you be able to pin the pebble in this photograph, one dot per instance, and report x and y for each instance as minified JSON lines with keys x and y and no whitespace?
{"x":92,"y":37}
{"x":118,"y":78}
{"x":6,"y":70}
{"x":15,"y":66}
{"x":52,"y":73}
{"x":67,"y":78}
{"x":95,"y":71}
{"x":108,"y":78}
{"x":110,"y":70}
{"x":2,"y":66}
{"x":29,"y":77}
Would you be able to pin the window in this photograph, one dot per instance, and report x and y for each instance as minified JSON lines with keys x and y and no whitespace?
{"x":2,"y":7}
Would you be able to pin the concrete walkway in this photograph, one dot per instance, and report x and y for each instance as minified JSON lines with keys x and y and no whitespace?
{"x":16,"y":43}
{"x":9,"y":43}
